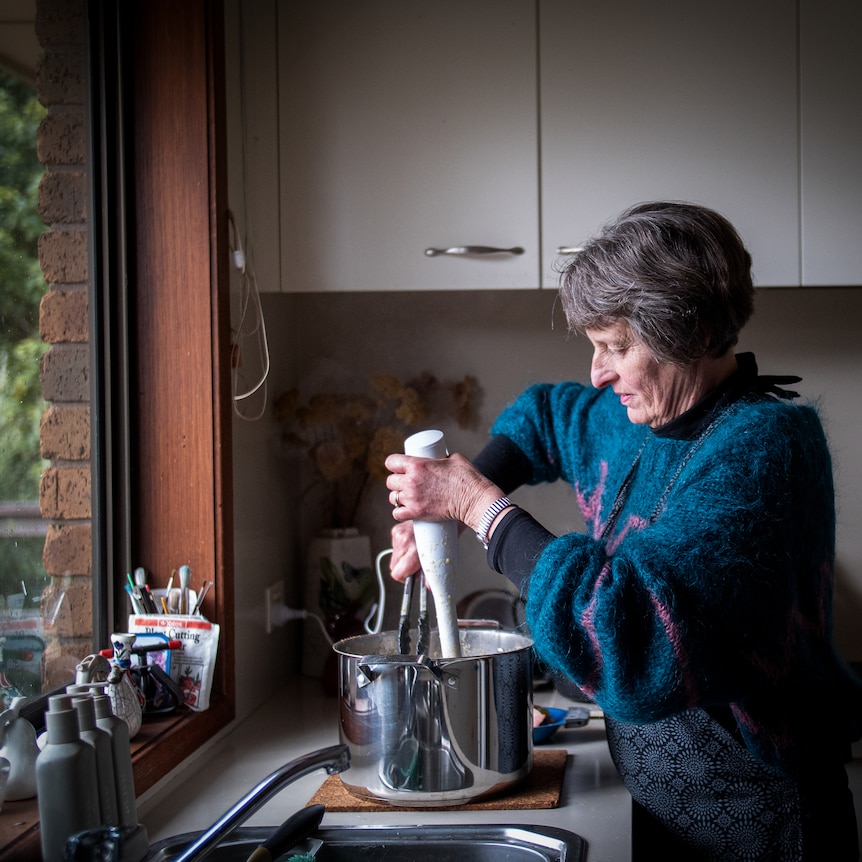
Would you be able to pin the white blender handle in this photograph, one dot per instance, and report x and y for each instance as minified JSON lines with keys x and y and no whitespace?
{"x":437,"y":545}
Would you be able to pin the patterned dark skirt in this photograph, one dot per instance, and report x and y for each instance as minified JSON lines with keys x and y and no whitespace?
{"x":716,"y":801}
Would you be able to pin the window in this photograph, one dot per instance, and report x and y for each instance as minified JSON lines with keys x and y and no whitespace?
{"x":22,"y":532}
{"x":144,"y":296}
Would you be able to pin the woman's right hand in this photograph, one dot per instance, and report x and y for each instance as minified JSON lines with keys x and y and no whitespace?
{"x":436,"y":490}
{"x":405,"y":558}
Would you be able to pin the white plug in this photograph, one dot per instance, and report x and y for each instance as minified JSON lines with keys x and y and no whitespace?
{"x":280,"y":614}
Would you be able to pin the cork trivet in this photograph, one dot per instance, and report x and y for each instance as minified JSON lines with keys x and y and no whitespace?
{"x":541,"y":789}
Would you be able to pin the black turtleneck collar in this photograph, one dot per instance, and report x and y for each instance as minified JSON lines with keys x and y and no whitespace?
{"x":745,"y":382}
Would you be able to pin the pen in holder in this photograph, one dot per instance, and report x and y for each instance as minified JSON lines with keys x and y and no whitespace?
{"x":171,"y":601}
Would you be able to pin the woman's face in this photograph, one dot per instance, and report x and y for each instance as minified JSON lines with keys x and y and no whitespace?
{"x":652,"y":392}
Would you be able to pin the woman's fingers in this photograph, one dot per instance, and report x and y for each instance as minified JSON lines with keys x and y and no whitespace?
{"x":405,"y":558}
{"x":432,"y":490}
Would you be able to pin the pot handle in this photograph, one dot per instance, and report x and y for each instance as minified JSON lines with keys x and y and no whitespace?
{"x":372,"y":666}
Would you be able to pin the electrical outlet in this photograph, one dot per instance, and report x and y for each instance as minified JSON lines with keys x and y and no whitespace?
{"x":273,"y":597}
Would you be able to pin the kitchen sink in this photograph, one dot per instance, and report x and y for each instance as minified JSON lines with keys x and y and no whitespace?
{"x":437,"y":843}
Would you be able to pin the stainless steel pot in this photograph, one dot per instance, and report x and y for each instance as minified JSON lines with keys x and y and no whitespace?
{"x":426,"y":731}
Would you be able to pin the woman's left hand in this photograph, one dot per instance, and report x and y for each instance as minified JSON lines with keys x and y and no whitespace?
{"x":427,"y":489}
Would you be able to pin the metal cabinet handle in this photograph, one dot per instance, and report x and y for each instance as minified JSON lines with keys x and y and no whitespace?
{"x":473,"y":249}
{"x":567,"y":249}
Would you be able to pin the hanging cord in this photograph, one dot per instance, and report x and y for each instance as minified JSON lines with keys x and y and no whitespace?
{"x":250,"y":326}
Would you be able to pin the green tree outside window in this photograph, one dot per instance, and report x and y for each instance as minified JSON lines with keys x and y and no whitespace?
{"x":21,"y":403}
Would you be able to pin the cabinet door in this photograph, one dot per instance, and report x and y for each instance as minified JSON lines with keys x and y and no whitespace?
{"x":831,"y":118}
{"x":407,"y":125}
{"x":671,"y":100}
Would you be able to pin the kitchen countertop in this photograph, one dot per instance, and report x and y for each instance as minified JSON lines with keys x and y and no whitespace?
{"x":594,"y":803}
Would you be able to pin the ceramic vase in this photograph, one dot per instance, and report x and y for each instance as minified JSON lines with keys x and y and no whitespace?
{"x":339,"y":590}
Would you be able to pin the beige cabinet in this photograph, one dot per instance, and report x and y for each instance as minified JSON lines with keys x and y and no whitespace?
{"x":376,"y":131}
{"x":406,"y":126}
{"x":672,"y":100}
{"x":831,"y":142}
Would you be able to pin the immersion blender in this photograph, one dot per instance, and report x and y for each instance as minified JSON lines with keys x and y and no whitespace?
{"x":437,"y":545}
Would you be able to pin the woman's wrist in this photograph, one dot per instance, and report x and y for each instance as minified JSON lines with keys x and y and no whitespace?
{"x":491,"y":516}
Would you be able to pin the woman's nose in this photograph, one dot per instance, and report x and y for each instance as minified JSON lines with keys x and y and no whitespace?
{"x":600,"y":375}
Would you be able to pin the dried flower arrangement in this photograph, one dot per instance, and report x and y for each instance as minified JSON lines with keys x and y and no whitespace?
{"x":347,"y":436}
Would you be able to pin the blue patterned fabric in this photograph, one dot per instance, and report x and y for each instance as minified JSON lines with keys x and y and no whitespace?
{"x":709,"y":790}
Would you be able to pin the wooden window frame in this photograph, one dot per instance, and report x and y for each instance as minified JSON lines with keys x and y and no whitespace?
{"x":180,"y":441}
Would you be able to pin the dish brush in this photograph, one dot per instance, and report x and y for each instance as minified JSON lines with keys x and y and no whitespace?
{"x":308,"y":856}
{"x":297,"y":828}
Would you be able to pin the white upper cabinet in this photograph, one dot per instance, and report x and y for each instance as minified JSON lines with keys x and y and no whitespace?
{"x":406,"y":125}
{"x":831,"y":142}
{"x":376,"y":130}
{"x":672,"y":100}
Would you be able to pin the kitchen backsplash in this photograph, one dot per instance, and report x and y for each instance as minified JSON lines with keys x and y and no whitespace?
{"x":507,"y":340}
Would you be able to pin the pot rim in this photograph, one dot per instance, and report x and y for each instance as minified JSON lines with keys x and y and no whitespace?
{"x":345,"y":646}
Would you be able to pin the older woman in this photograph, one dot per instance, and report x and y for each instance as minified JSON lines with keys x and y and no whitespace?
{"x":696,"y":607}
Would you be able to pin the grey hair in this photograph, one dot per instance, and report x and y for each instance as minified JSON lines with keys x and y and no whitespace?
{"x":677,"y":273}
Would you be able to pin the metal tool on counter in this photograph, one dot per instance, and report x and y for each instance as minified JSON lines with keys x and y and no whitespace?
{"x":555,"y":718}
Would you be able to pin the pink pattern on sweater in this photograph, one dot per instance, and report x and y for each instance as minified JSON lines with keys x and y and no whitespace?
{"x":591,"y":506}
{"x":673,"y":635}
{"x":633,"y":522}
{"x":588,"y":621}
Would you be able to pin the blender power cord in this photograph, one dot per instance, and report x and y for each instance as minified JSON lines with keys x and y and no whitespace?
{"x":282,"y":614}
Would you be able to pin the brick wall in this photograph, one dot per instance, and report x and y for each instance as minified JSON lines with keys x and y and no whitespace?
{"x":64,"y":493}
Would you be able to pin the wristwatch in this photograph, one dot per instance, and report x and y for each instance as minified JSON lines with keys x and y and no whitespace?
{"x":488,"y":518}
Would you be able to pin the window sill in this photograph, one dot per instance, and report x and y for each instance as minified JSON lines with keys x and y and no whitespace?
{"x":161,"y":744}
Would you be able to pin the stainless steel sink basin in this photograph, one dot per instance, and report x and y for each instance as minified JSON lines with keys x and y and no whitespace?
{"x":438,"y":843}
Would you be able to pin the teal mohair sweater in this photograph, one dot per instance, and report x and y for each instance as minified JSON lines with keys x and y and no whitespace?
{"x":720,"y":597}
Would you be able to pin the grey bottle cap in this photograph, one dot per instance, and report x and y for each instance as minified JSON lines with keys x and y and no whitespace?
{"x":104,"y":707}
{"x":61,"y":720}
{"x":86,"y":711}
{"x":77,"y":690}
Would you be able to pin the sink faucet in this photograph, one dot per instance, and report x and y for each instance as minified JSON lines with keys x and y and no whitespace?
{"x":334,"y":759}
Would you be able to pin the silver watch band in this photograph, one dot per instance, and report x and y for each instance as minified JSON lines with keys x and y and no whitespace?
{"x":488,"y":518}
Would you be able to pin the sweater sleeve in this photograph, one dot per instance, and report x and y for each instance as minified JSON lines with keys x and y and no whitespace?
{"x":538,"y":438}
{"x":531,"y":424}
{"x":504,"y":464}
{"x":516,"y":545}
